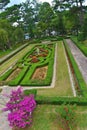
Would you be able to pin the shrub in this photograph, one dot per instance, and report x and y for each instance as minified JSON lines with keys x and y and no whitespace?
{"x":67,"y":116}
{"x":61,"y":100}
{"x":21,"y":108}
{"x":81,"y":37}
{"x":31,"y":91}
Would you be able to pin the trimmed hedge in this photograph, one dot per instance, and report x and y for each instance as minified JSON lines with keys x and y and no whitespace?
{"x":61,"y":100}
{"x":5,"y":76}
{"x":13,"y":53}
{"x":19,"y":78}
{"x":81,"y":82}
{"x":31,"y":91}
{"x":27,"y":81}
{"x":28,"y":68}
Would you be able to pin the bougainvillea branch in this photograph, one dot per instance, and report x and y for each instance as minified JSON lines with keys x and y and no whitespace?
{"x":20,"y":108}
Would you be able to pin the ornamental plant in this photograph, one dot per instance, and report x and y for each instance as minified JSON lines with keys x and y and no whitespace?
{"x":68,"y":116}
{"x":20,"y":109}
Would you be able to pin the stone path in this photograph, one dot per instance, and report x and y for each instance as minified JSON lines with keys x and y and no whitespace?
{"x":4,"y":124}
{"x":80,"y":59}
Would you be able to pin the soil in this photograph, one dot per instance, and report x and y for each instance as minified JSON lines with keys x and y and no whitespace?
{"x":40,"y":73}
{"x":14,"y":74}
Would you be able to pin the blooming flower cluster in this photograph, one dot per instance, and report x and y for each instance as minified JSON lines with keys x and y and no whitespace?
{"x":20,"y":108}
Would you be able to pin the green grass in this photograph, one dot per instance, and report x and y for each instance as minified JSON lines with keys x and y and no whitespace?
{"x":14,"y":59}
{"x":4,"y":53}
{"x":80,"y":45}
{"x":79,"y":77}
{"x":46,"y":117}
{"x":62,"y":85}
{"x":81,"y":118}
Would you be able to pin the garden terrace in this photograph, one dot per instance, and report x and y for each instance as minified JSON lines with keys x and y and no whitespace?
{"x":78,"y":71}
{"x":22,"y":72}
{"x":61,"y":71}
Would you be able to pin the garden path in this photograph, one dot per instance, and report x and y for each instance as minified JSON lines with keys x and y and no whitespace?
{"x":4,"y":124}
{"x":80,"y":59}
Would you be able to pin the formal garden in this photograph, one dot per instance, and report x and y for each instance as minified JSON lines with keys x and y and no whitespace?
{"x":52,"y":103}
{"x":43,"y":65}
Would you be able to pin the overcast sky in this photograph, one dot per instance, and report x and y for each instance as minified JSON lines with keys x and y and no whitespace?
{"x":12,"y":2}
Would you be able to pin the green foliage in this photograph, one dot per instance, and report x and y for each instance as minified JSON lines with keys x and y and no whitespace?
{"x":27,"y":81}
{"x":81,"y":37}
{"x":80,"y":101}
{"x":12,"y":14}
{"x":19,"y":77}
{"x":3,"y":38}
{"x":27,"y":92}
{"x":18,"y":35}
{"x":81,"y":82}
{"x":4,"y":77}
{"x":13,"y":53}
{"x":68,"y":115}
{"x":3,"y":3}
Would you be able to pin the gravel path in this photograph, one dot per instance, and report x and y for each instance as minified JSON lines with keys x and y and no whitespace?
{"x":80,"y":59}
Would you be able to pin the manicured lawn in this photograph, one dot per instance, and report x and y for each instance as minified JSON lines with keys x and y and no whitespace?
{"x":82,"y":118}
{"x":4,"y":53}
{"x":62,"y":85}
{"x":46,"y":117}
{"x":14,"y":59}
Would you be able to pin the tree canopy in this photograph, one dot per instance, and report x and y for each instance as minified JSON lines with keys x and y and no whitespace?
{"x":41,"y":19}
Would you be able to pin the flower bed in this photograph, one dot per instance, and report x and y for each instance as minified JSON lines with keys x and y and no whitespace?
{"x":39,"y":56}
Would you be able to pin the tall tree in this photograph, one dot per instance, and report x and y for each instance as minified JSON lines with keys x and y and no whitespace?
{"x":29,"y":16}
{"x":3,"y":3}
{"x":46,"y":15}
{"x":13,"y":13}
{"x":3,"y":39}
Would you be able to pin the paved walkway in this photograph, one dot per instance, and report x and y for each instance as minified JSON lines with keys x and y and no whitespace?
{"x":80,"y":59}
{"x":4,"y":124}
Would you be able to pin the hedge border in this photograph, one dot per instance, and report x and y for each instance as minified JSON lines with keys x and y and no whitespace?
{"x":12,"y":54}
{"x":81,"y":82}
{"x":27,"y":82}
{"x":80,"y":101}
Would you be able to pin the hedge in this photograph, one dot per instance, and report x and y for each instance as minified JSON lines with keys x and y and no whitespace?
{"x":27,"y":70}
{"x":61,"y":100}
{"x":13,"y":53}
{"x":81,"y":82}
{"x":27,"y":81}
{"x":31,"y":91}
{"x":18,"y":79}
{"x":5,"y":76}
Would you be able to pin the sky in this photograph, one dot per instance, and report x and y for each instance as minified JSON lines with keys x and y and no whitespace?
{"x":12,"y":2}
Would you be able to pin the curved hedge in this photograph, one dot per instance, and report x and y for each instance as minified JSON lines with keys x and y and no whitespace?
{"x":27,"y":81}
{"x":46,"y":57}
